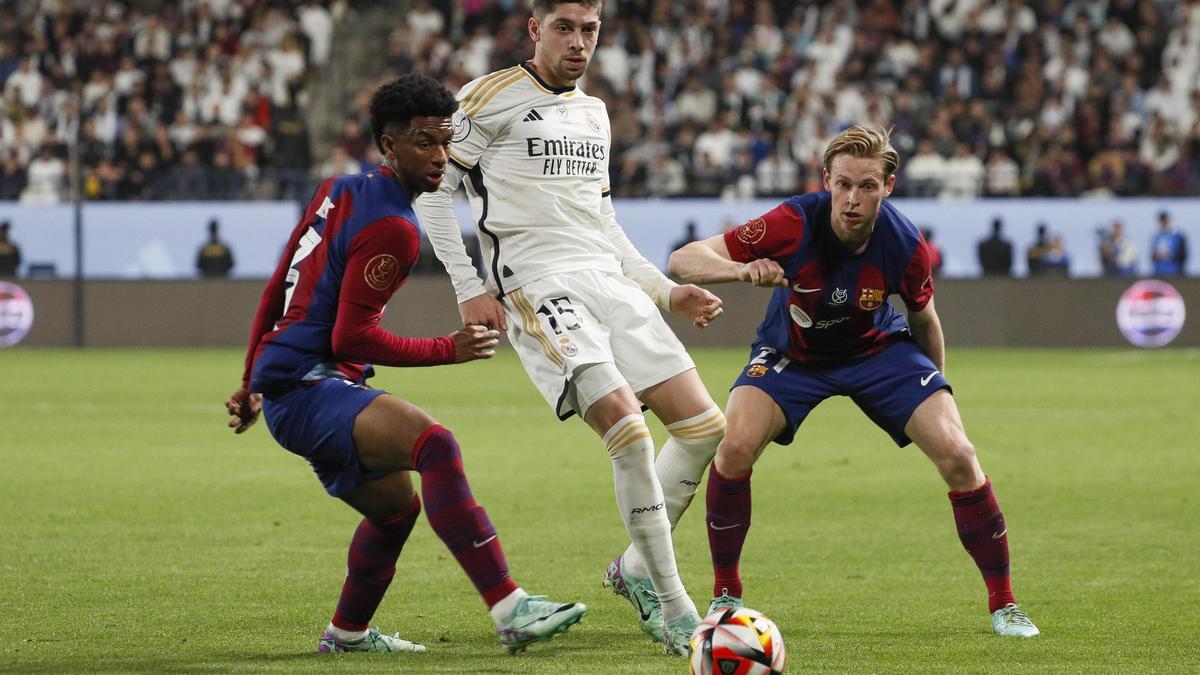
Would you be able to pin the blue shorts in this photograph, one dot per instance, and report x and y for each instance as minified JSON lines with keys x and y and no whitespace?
{"x":316,"y":421}
{"x":888,"y":386}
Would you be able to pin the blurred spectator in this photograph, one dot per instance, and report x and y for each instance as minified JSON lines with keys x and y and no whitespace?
{"x":964,"y":174}
{"x":215,"y":259}
{"x":1046,"y":256}
{"x":12,"y":177}
{"x":291,"y":154}
{"x":689,"y":235}
{"x":1118,"y":256}
{"x":45,"y":178}
{"x":317,"y":24}
{"x":339,"y":163}
{"x":224,"y":181}
{"x":1055,"y":262}
{"x":935,"y":252}
{"x":10,"y":253}
{"x":1036,"y":253}
{"x":996,"y":252}
{"x":1002,"y":176}
{"x":1168,"y":249}
{"x":666,"y":177}
{"x":778,"y":175}
{"x":926,"y":171}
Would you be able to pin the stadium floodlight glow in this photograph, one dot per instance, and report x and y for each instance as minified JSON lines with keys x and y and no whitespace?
{"x":1150,"y":313}
{"x":16,"y":314}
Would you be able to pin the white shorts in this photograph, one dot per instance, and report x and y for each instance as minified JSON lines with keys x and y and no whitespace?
{"x":564,"y":322}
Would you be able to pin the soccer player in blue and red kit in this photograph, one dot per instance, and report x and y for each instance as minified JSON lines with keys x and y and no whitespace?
{"x":316,"y":330}
{"x":834,"y":258}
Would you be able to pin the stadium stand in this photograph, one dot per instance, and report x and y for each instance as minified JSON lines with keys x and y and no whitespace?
{"x":707,"y":97}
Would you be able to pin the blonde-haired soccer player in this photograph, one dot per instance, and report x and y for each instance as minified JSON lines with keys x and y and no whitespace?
{"x":834,"y":258}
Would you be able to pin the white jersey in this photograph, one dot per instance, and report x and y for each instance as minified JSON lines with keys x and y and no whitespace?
{"x":534,"y":160}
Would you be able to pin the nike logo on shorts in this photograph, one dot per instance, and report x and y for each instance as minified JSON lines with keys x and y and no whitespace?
{"x":481,"y":544}
{"x":726,"y":527}
{"x":997,"y":535}
{"x":925,"y":380}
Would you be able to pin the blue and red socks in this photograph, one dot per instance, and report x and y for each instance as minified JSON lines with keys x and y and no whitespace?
{"x":454,"y":516}
{"x":370,"y":566}
{"x":728,"y":512}
{"x":983,"y":533}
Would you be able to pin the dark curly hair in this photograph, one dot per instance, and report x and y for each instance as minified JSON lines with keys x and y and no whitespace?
{"x":395,"y":103}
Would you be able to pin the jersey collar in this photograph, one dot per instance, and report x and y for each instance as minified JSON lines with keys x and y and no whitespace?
{"x":542,"y":83}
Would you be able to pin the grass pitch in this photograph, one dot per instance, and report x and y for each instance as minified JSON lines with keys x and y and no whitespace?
{"x":139,"y":534}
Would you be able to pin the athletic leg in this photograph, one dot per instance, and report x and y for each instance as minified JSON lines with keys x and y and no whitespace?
{"x":695,"y":426}
{"x":755,"y":419}
{"x":617,"y":418}
{"x":935,"y":426}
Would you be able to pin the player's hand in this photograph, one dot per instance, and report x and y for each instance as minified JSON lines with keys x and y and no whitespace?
{"x":763,"y":272}
{"x":244,"y":407}
{"x":697,"y":304}
{"x":474,"y":342}
{"x":483,"y":310}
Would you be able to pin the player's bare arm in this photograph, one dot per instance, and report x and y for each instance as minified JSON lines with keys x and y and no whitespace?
{"x":474,"y":342}
{"x":483,"y":310}
{"x":244,"y":407}
{"x":926,"y":329}
{"x":708,"y":262}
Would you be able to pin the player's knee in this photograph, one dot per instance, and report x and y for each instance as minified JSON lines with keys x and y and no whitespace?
{"x":735,"y":457}
{"x":957,"y":459}
{"x":435,"y":446}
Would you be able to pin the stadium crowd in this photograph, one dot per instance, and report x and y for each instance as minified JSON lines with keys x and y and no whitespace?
{"x":197,"y":99}
{"x":707,"y":97}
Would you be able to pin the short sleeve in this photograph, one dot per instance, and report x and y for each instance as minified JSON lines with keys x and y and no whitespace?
{"x":775,"y":234}
{"x":916,"y":287}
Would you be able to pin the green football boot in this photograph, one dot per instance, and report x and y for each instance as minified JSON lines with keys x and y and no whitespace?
{"x":373,"y":642}
{"x":640,"y":593}
{"x":724,"y":601}
{"x":536,"y":619}
{"x":677,"y":635}
{"x":1010,"y":621}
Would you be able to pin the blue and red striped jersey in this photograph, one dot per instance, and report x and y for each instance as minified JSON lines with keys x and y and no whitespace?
{"x":835,"y":306}
{"x":355,"y":245}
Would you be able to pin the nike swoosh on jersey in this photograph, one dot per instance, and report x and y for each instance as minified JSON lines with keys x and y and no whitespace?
{"x":925,"y":380}
{"x":798,"y":289}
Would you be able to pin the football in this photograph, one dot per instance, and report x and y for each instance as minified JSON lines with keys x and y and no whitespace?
{"x":737,"y":641}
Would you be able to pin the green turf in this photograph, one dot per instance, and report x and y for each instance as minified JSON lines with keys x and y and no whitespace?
{"x":139,"y":534}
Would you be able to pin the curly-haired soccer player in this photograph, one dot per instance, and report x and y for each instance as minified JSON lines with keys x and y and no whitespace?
{"x":316,"y":331}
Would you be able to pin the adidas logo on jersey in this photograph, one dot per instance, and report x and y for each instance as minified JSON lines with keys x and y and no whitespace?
{"x":533,"y":116}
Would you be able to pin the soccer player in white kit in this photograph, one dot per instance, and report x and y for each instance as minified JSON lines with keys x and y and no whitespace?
{"x":579,"y":303}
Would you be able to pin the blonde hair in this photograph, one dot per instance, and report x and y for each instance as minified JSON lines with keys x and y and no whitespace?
{"x":864,"y":142}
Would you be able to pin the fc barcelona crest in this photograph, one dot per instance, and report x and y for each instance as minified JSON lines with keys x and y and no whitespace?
{"x":870,"y":298}
{"x":757,"y":370}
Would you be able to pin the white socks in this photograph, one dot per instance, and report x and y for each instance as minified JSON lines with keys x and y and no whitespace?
{"x":680,"y":467}
{"x":346,"y":636}
{"x":640,"y":499}
{"x":502,"y":609}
